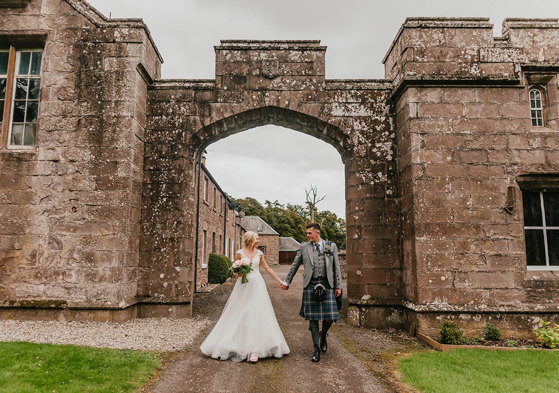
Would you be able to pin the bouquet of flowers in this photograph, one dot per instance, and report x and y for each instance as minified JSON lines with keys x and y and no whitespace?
{"x":243,"y":267}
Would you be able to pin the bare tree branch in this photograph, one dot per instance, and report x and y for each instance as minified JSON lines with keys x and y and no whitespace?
{"x":312,"y":199}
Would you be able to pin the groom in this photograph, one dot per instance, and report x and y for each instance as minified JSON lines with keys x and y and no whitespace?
{"x":321,"y":264}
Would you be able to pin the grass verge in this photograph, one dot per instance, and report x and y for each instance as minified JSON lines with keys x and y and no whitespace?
{"x":27,"y":367}
{"x":479,"y":371}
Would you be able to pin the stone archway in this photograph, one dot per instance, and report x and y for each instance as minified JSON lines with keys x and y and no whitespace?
{"x":275,"y":115}
{"x":283,"y":83}
{"x":111,"y":175}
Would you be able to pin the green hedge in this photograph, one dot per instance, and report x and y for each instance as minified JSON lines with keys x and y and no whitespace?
{"x":218,"y":268}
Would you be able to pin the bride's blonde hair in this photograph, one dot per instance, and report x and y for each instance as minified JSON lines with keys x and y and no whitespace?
{"x":249,"y":238}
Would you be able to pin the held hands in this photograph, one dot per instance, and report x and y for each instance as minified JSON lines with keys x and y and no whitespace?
{"x":337,"y":292}
{"x":283,"y":287}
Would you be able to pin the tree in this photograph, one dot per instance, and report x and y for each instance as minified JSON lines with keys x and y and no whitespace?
{"x":286,"y":222}
{"x":332,"y":227}
{"x":312,"y":199}
{"x":250,"y":206}
{"x":290,"y":220}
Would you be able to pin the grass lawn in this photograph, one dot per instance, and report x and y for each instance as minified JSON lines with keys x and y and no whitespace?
{"x":29,"y":368}
{"x":478,"y":371}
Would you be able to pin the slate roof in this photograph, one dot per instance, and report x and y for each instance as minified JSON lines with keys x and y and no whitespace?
{"x":258,"y":225}
{"x":288,"y":244}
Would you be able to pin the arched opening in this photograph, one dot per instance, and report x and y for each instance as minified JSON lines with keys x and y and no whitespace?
{"x":274,"y":115}
{"x":259,"y":180}
{"x":180,"y":131}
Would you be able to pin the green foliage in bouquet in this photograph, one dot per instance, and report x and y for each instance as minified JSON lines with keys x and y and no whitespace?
{"x":218,"y":269}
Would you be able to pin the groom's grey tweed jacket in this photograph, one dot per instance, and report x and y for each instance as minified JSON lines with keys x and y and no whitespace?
{"x":306,"y":255}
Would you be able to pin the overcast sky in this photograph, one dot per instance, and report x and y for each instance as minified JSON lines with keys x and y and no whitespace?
{"x":275,"y":163}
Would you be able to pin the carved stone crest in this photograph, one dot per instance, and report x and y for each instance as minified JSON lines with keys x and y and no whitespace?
{"x":270,"y":68}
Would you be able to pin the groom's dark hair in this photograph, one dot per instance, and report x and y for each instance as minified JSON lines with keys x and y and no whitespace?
{"x":314,"y":226}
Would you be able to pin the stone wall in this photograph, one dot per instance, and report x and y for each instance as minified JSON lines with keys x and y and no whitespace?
{"x":465,"y":140}
{"x":71,"y":205}
{"x":99,"y":219}
{"x":271,"y":242}
{"x":342,"y":256}
{"x":221,"y":224}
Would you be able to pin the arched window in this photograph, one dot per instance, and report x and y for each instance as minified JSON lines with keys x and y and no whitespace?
{"x":536,"y":108}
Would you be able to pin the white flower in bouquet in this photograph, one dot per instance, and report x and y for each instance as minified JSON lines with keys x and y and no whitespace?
{"x":242,"y":266}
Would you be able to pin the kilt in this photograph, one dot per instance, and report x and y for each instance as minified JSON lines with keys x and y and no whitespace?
{"x":313,"y":310}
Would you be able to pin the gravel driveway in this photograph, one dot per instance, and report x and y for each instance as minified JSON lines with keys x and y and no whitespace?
{"x":355,"y":361}
{"x":159,"y":334}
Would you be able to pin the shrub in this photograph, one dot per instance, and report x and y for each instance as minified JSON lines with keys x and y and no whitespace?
{"x":492,"y":333}
{"x":470,"y":341}
{"x":218,"y":268}
{"x":451,"y":333}
{"x":511,"y":343}
{"x":548,"y":336}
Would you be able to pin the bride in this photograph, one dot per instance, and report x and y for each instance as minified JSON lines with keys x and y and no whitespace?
{"x":247,"y":328}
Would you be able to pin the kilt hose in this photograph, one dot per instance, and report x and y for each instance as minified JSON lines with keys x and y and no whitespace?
{"x":324,"y":310}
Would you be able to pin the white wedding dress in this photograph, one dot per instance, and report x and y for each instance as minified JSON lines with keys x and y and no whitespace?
{"x":248,"y":323}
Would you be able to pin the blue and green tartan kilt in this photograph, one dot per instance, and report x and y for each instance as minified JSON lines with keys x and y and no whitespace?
{"x":313,"y":310}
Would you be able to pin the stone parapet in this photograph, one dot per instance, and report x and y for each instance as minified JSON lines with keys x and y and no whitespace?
{"x":270,"y":65}
{"x":463,"y":50}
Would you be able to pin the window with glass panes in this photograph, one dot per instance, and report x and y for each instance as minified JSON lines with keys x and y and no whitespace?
{"x":227,"y":247}
{"x":20,"y":82}
{"x":205,"y":188}
{"x":214,"y":247}
{"x":536,"y":108}
{"x":541,"y":229}
{"x":204,"y":245}
{"x":26,"y":98}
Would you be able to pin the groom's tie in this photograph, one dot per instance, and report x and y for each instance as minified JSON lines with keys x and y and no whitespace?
{"x":317,"y":246}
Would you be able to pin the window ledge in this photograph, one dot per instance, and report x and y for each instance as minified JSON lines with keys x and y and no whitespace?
{"x":10,"y":153}
{"x":19,"y":147}
{"x":541,"y":279}
{"x":543,"y":268}
{"x":541,"y":129}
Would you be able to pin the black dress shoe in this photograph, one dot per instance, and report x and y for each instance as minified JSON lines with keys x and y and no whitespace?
{"x":323,"y":344}
{"x":316,"y":354}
